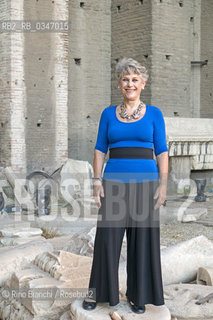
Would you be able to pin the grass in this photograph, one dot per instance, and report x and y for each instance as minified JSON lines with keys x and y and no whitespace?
{"x":49,"y":233}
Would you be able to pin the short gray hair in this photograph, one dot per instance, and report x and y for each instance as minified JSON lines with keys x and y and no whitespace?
{"x":127,"y":65}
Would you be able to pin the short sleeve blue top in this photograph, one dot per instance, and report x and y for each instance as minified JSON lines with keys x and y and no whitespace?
{"x":147,"y":132}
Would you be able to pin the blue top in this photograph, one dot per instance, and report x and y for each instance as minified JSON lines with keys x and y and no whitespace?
{"x":147,"y":132}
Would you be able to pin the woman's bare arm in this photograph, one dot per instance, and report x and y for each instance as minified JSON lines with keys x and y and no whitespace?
{"x":163,"y":163}
{"x":98,"y":163}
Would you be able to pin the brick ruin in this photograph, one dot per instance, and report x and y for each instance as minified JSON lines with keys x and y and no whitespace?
{"x":55,"y":85}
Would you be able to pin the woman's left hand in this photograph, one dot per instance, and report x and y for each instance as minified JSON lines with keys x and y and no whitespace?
{"x":161,"y":195}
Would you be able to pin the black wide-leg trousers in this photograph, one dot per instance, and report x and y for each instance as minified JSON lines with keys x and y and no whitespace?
{"x":127,"y":207}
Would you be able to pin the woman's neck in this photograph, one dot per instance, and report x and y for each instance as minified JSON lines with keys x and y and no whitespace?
{"x":131,"y":104}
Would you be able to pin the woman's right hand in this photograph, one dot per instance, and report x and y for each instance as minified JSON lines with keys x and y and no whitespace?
{"x":98,"y":192}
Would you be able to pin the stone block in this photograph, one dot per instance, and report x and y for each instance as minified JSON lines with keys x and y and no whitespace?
{"x":73,"y":269}
{"x":181,"y":300}
{"x":76,"y":179}
{"x":6,"y":221}
{"x":82,"y":243}
{"x":191,"y":214}
{"x":11,"y":309}
{"x":20,"y":232}
{"x":182,"y":214}
{"x":123,"y":309}
{"x":18,"y":241}
{"x":175,"y":259}
{"x":66,"y":316}
{"x":20,"y":278}
{"x":21,"y":194}
{"x":43,"y":302}
{"x":15,"y":258}
{"x":205,"y":276}
{"x":51,"y":292}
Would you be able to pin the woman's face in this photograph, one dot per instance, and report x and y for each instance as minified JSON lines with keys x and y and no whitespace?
{"x":131,"y":86}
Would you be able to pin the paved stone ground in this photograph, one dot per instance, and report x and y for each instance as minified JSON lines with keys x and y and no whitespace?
{"x":174,"y":231}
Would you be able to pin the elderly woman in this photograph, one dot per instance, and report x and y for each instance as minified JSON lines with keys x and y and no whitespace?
{"x":129,"y":195}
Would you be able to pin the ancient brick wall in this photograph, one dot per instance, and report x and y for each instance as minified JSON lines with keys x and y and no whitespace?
{"x":167,"y":36}
{"x":207,"y":54}
{"x":5,"y":90}
{"x":33,"y":94}
{"x":171,"y":56}
{"x":53,"y":87}
{"x":46,"y":76}
{"x":12,"y":92}
{"x":40,"y":114}
{"x":89,"y":73}
{"x":131,"y":37}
